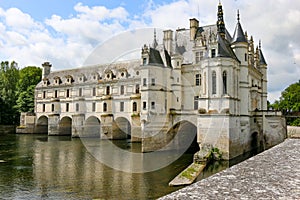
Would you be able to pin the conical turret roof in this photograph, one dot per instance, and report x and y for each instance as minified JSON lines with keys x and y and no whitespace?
{"x":238,"y":35}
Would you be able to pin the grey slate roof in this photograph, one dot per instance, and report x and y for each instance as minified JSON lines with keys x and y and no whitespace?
{"x":238,"y":35}
{"x":154,"y":57}
{"x":262,"y":60}
{"x":224,"y":48}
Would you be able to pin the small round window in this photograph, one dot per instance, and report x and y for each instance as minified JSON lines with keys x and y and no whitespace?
{"x":137,"y":72}
{"x":122,"y":74}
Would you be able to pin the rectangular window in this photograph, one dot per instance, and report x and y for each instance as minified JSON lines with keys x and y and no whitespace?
{"x":77,"y":107}
{"x":198,"y":79}
{"x":122,"y":90}
{"x":80,"y":92}
{"x":44,"y":107}
{"x":68,"y":93}
{"x":246,"y":57}
{"x":137,"y":88}
{"x":134,"y":107}
{"x":67,"y":107}
{"x":196,"y":102}
{"x":52,"y":107}
{"x":213,"y":53}
{"x":94,"y":107}
{"x":144,"y":61}
{"x":44,"y":94}
{"x":153,"y":81}
{"x":201,"y":55}
{"x":121,"y":106}
{"x":197,"y":57}
{"x":107,"y":90}
{"x":94,"y":92}
{"x":55,"y":94}
{"x":144,"y":105}
{"x":152,"y":105}
{"x":144,"y":82}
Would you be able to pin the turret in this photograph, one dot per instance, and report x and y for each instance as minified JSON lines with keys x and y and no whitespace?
{"x":262,"y":65}
{"x":240,"y":43}
{"x":46,"y":69}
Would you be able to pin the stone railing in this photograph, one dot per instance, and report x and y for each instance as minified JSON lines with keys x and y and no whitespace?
{"x":293,"y":131}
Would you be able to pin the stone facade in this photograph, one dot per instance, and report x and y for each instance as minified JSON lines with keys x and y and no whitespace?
{"x":200,"y":79}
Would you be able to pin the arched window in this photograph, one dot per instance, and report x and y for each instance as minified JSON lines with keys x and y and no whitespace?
{"x":224,"y":82}
{"x":104,"y":107}
{"x":214,"y":83}
{"x":134,"y":107}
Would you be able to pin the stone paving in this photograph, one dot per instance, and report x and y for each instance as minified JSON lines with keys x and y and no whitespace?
{"x":273,"y":174}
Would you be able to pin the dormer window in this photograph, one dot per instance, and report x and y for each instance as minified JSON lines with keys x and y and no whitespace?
{"x":109,"y":74}
{"x":213,"y":53}
{"x":81,"y":78}
{"x":122,"y":73}
{"x":57,"y":80}
{"x":95,"y":76}
{"x":69,"y":79}
{"x":45,"y":82}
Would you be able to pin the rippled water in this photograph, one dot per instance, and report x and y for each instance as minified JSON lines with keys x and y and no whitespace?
{"x":59,"y":167}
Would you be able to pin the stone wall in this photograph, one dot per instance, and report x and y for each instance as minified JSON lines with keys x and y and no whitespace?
{"x":293,"y":131}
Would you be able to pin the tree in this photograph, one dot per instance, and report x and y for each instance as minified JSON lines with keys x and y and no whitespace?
{"x":29,"y":78}
{"x":289,"y":103}
{"x":9,"y":76}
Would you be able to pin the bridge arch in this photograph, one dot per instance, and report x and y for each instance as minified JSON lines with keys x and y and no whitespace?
{"x":121,"y":128}
{"x":65,"y":126}
{"x":42,"y":125}
{"x":184,"y":136}
{"x":92,"y":127}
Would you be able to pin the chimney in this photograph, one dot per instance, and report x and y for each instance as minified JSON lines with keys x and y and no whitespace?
{"x":46,"y":69}
{"x":168,"y":41}
{"x":194,"y":25}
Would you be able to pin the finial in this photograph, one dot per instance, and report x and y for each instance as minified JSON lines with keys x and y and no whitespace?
{"x":238,"y":15}
{"x":259,"y":44}
{"x":155,"y":44}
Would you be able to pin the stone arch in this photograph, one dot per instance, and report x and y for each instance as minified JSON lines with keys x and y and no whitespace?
{"x":42,"y":125}
{"x":65,"y":126}
{"x":254,"y":142}
{"x":121,"y":128}
{"x":183,"y":135}
{"x":92,"y":127}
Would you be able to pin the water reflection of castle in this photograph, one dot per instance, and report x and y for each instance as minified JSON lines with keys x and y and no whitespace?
{"x":200,"y":77}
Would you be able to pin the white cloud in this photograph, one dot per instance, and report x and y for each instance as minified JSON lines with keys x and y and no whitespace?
{"x":66,"y":42}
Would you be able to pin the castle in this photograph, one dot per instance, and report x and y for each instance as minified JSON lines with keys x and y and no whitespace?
{"x":200,"y":79}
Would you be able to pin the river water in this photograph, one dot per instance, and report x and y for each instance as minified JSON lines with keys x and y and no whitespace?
{"x":61,"y":167}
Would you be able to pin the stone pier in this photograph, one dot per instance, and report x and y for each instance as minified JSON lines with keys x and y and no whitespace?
{"x":273,"y":174}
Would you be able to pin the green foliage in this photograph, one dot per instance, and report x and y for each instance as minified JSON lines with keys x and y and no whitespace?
{"x":9,"y":76}
{"x":289,"y":103}
{"x":25,"y":101}
{"x":17,"y":91}
{"x":29,"y":78}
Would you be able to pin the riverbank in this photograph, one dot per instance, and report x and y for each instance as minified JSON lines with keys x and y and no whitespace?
{"x":7,"y":129}
{"x":273,"y":174}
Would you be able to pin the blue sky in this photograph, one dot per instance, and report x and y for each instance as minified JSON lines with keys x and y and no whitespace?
{"x":65,"y":32}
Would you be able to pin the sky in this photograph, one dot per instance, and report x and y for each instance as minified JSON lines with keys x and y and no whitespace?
{"x":66,"y":32}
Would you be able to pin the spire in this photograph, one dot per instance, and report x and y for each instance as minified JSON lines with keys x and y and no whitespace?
{"x":220,"y":22}
{"x":238,"y":35}
{"x":155,"y":44}
{"x":262,"y":60}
